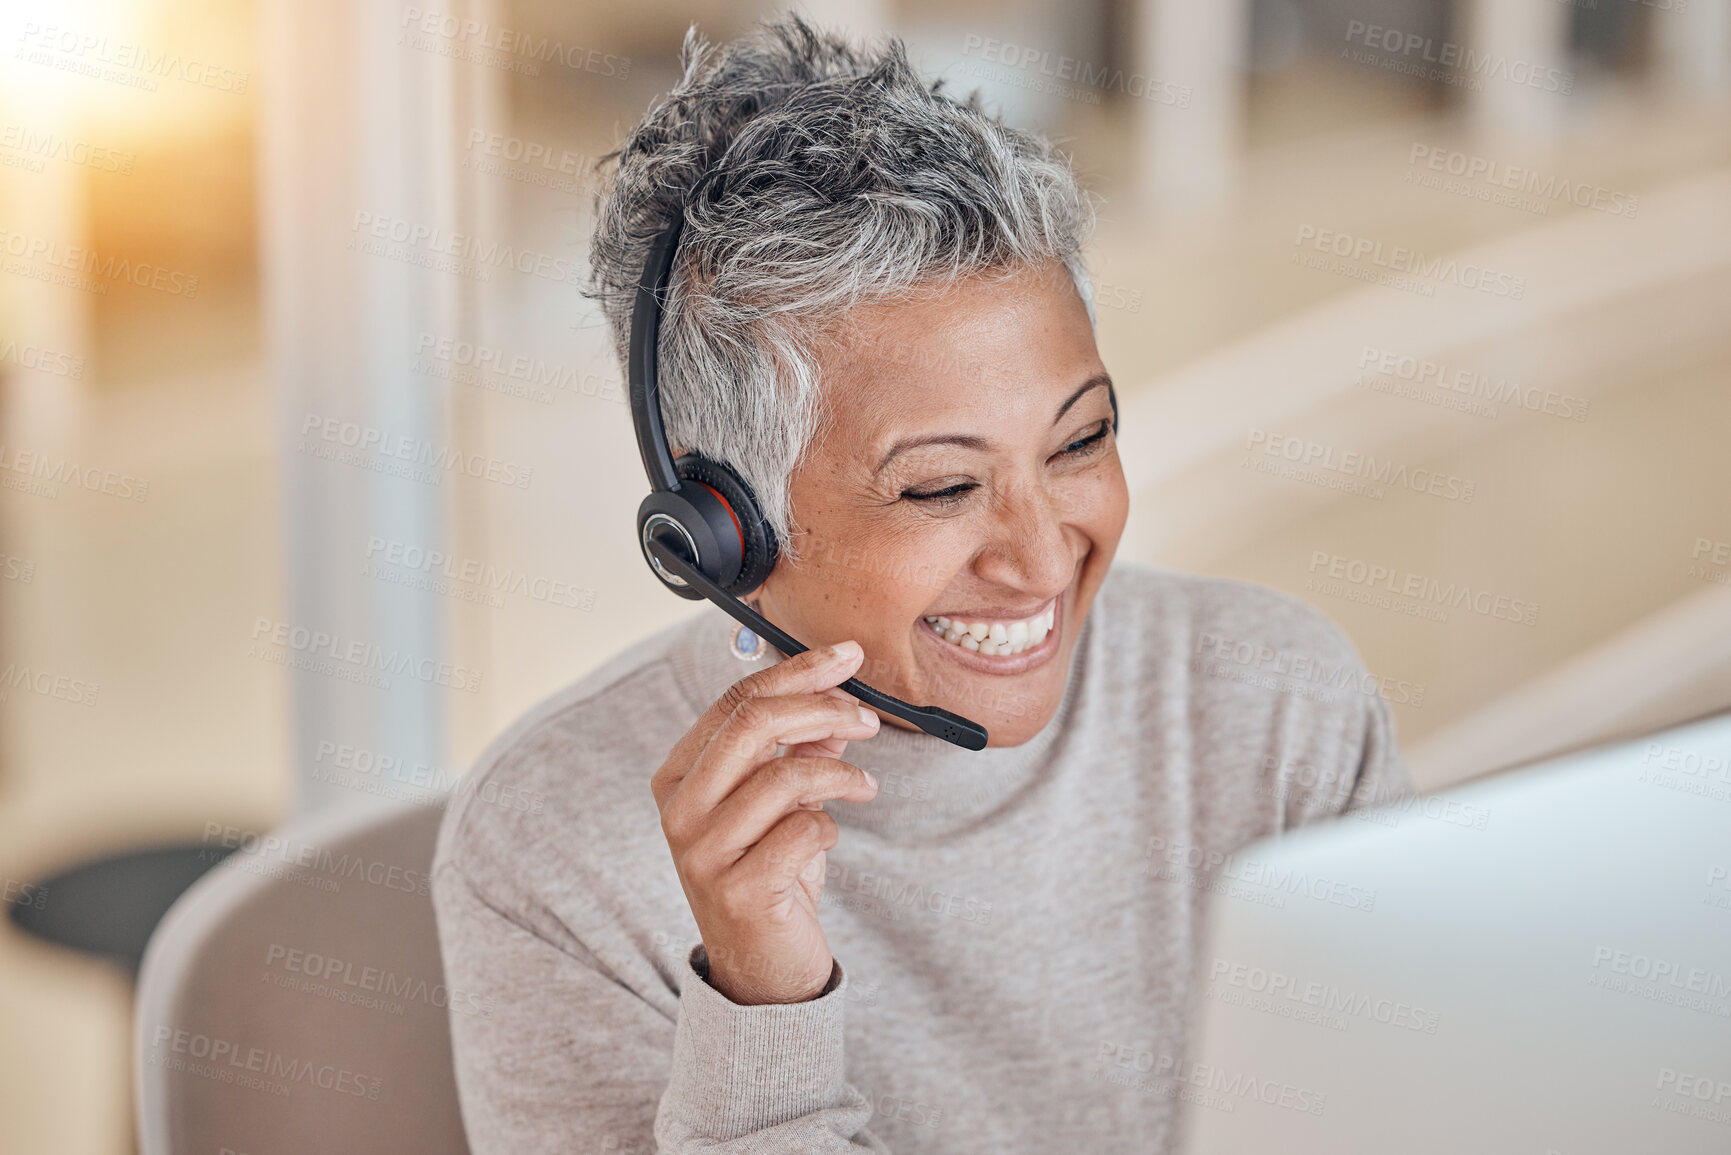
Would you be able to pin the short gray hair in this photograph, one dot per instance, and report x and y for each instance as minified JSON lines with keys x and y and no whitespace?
{"x":815,"y":174}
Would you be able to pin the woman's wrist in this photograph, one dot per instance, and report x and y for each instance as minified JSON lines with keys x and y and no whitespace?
{"x":747,"y":989}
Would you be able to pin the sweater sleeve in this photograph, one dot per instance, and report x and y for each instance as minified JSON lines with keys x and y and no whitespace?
{"x":763,"y":1078}
{"x":565,"y":1058}
{"x":1382,"y":774}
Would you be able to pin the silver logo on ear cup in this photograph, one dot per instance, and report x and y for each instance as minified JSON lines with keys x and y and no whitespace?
{"x":650,"y":525}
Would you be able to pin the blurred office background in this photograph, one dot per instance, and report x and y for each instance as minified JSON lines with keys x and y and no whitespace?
{"x":260,"y":255}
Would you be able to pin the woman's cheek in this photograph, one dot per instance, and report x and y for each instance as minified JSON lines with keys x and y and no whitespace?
{"x":1103,"y":497}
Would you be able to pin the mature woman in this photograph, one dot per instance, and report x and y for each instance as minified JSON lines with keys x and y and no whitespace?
{"x":719,"y":934}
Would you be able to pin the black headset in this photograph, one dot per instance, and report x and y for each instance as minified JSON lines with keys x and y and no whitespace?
{"x":700,"y":529}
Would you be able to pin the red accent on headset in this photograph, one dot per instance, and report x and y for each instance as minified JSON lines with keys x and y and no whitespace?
{"x":736,"y":526}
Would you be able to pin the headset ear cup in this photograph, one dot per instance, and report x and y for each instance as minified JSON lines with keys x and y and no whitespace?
{"x":758,"y":547}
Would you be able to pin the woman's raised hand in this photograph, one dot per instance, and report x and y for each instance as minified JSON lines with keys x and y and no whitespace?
{"x":747,"y":829}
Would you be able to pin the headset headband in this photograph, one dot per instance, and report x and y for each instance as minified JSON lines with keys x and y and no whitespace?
{"x":644,"y":383}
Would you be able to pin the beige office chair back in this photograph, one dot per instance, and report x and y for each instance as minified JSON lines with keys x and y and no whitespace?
{"x":293,"y":999}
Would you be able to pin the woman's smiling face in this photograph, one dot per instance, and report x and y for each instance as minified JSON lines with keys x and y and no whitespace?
{"x":966,"y":471}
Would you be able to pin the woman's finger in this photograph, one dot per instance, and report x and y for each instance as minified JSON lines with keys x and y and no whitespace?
{"x":816,"y":670}
{"x":748,"y":739}
{"x":777,"y":788}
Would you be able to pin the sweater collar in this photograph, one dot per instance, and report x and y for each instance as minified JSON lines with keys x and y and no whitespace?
{"x":926,"y":787}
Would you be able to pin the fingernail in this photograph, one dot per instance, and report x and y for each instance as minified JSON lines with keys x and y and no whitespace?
{"x":844,"y":651}
{"x":867,"y":718}
{"x":869,"y":777}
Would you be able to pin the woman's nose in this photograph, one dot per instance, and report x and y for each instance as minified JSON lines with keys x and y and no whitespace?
{"x":1029,"y":548}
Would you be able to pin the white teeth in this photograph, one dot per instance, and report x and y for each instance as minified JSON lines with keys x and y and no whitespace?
{"x":995,"y":638}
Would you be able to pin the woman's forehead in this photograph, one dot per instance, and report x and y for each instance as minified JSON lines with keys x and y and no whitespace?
{"x":982,"y":350}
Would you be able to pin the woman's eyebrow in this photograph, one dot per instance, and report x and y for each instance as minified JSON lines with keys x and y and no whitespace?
{"x":972,"y":441}
{"x":1094,"y":382}
{"x":966,"y":440}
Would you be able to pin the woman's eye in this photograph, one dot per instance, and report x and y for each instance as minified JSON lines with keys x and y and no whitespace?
{"x":1083,"y":446}
{"x":953,"y":493}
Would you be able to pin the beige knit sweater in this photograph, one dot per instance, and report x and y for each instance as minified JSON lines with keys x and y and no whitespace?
{"x":1005,"y":922}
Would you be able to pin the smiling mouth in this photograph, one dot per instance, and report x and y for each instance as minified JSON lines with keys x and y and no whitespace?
{"x":995,"y":638}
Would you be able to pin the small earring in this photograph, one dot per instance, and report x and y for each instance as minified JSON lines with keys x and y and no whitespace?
{"x":745,"y":643}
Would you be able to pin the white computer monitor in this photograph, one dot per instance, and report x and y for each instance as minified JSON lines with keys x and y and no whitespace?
{"x":1543,"y":967}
